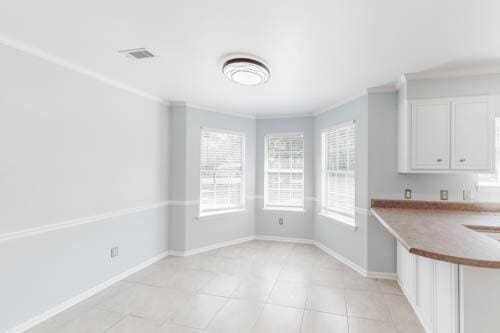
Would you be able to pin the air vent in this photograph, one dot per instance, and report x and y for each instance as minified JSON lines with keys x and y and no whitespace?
{"x":137,"y":54}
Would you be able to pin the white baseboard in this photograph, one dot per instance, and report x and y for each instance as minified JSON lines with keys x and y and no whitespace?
{"x":342,"y":259}
{"x":74,"y":300}
{"x":285,"y":239}
{"x":382,"y":275}
{"x":210,"y":247}
{"x":69,"y":303}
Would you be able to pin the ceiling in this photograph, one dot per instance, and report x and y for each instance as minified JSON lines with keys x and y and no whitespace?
{"x":319,"y":51}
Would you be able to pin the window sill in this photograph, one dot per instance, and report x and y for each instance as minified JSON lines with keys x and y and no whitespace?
{"x":222,"y":213}
{"x":285,"y":210}
{"x":489,"y":187}
{"x":339,"y":220}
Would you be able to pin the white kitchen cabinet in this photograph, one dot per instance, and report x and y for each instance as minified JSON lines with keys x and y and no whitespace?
{"x":472,"y":134}
{"x":447,"y":135}
{"x":446,"y":306}
{"x":406,"y":266}
{"x":430,"y":134}
{"x":432,"y":289}
{"x":425,"y":291}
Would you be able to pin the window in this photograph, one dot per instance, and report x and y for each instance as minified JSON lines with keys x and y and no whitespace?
{"x":493,"y":180}
{"x":284,"y":172}
{"x":221,"y":171}
{"x":338,"y":173}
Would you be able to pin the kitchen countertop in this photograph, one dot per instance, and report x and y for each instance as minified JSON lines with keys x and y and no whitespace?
{"x":444,"y":231}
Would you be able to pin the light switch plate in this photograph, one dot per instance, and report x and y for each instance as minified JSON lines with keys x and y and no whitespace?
{"x":114,"y":251}
{"x":407,"y":194}
{"x":444,"y":194}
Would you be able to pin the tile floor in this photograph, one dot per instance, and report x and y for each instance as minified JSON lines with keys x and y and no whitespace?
{"x":257,"y":286}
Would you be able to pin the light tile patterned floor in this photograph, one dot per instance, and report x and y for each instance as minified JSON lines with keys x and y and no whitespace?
{"x":257,"y":286}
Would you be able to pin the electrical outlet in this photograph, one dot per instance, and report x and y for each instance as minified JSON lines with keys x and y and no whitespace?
{"x":281,"y":221}
{"x":408,"y":194}
{"x":114,"y":251}
{"x":444,"y":194}
{"x":467,"y":195}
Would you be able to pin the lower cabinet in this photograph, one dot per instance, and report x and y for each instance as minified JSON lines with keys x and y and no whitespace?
{"x":431,"y":287}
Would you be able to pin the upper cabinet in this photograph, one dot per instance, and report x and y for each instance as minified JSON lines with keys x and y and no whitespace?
{"x":447,"y":135}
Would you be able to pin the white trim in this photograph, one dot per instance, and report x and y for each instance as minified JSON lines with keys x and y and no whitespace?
{"x":183,"y":202}
{"x":341,"y":102}
{"x":452,"y":74}
{"x":285,"y":239}
{"x":339,"y":125}
{"x":221,"y":213}
{"x":76,"y":222}
{"x":342,"y":259}
{"x":285,"y":116}
{"x":225,"y":112}
{"x":34,"y":51}
{"x":78,"y":298}
{"x":285,"y":210}
{"x":382,"y":275}
{"x":384,"y":89}
{"x":210,"y":247}
{"x":351,"y":226}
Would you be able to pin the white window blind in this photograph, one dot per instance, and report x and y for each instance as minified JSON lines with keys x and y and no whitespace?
{"x":221,"y":171}
{"x":338,"y":172}
{"x":493,"y":179}
{"x":284,"y":171}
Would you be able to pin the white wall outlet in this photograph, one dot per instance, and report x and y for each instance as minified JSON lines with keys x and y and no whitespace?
{"x":444,"y":194}
{"x":114,"y":251}
{"x":281,"y":221}
{"x":407,"y":194}
{"x":467,"y":195}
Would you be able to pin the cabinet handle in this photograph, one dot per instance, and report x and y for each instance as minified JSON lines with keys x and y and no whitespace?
{"x":439,"y":160}
{"x":462,"y":160}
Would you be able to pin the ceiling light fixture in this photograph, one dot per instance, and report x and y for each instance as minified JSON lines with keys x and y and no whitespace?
{"x":246,"y":71}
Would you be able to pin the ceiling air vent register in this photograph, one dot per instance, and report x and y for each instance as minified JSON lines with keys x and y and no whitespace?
{"x":246,"y":71}
{"x":137,"y":54}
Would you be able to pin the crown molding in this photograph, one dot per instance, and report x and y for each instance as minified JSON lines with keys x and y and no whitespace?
{"x":284,"y":116}
{"x":341,"y":102}
{"x":174,"y":104}
{"x":34,"y":51}
{"x":387,"y":88}
{"x":451,"y":74}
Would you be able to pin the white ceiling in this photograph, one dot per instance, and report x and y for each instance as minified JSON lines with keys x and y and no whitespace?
{"x":319,"y":51}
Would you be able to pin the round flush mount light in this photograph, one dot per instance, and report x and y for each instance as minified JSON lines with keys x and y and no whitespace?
{"x":246,"y":71}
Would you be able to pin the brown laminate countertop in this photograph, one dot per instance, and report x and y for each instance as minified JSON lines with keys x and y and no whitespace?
{"x":443,"y":233}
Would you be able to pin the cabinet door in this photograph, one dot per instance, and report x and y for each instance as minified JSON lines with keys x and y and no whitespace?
{"x":446,"y":307}
{"x":425,"y":291}
{"x":473,"y":134}
{"x":406,"y":272}
{"x":430,"y":134}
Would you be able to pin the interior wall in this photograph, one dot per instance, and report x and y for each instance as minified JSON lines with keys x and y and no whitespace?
{"x":296,"y":224}
{"x":198,"y":233}
{"x":337,"y":236}
{"x":178,"y":149}
{"x":83,"y":153}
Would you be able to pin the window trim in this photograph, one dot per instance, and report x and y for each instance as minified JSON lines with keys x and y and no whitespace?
{"x":488,"y":186}
{"x":323,"y":211}
{"x":281,"y":208}
{"x":224,"y":211}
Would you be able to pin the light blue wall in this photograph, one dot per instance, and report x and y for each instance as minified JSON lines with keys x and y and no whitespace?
{"x":296,"y":225}
{"x":74,"y":147}
{"x":178,"y":150}
{"x":188,"y":122}
{"x":349,"y":243}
